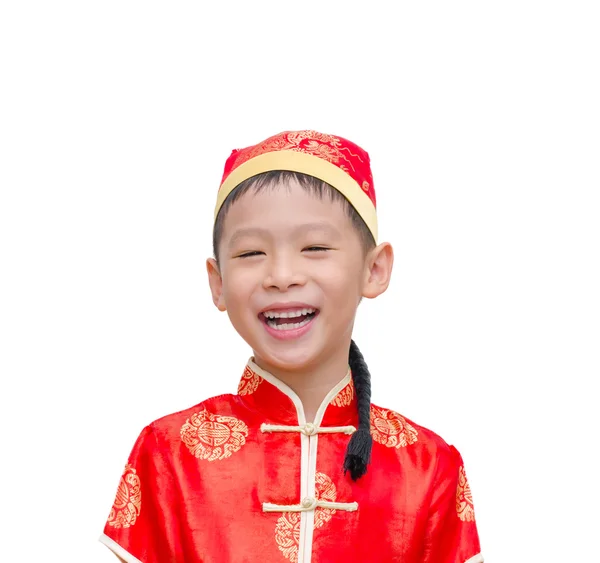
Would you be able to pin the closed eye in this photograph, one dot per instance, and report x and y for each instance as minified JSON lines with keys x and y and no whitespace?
{"x":317,"y":248}
{"x":249,"y":254}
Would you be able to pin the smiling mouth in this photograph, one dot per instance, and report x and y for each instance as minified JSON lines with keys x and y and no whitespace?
{"x":289,"y":320}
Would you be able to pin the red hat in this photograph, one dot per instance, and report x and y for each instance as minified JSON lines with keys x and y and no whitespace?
{"x":335,"y":160}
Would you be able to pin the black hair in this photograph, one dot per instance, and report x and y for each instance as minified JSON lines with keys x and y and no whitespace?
{"x":358,"y":452}
{"x":284,"y":177}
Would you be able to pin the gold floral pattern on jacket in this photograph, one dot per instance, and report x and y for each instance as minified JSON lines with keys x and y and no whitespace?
{"x":128,"y":501}
{"x":464,"y":498}
{"x":344,"y":397}
{"x":287,"y":530}
{"x":287,"y":535}
{"x":325,"y":490}
{"x":249,"y":382}
{"x":391,"y":429}
{"x":326,"y":147}
{"x":213,"y":437}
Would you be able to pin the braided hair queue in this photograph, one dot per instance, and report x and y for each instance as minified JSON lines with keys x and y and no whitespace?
{"x":358,"y":452}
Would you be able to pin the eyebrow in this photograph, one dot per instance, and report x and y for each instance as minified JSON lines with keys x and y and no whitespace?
{"x":322,"y":226}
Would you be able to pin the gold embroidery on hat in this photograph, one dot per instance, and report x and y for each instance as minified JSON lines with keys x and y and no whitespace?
{"x":287,"y":530}
{"x":213,"y":437}
{"x":344,"y":397}
{"x":128,"y":501}
{"x":366,"y":186}
{"x":391,"y":429}
{"x":249,"y":382}
{"x":464,"y":499}
{"x":327,"y":147}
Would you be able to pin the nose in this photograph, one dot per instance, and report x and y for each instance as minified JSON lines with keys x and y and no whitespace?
{"x":282,"y":273}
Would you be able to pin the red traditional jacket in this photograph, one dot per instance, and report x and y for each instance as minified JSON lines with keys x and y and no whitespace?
{"x":244,"y":478}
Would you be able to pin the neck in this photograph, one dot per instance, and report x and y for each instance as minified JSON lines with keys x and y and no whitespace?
{"x":310,"y":383}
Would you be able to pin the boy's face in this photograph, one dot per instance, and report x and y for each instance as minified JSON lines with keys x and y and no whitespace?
{"x":291,"y":273}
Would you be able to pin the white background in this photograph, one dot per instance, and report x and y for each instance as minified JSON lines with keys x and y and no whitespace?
{"x":483,"y":125}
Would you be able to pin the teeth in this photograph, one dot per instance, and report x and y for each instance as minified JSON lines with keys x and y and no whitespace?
{"x":288,"y":326}
{"x":288,"y":315}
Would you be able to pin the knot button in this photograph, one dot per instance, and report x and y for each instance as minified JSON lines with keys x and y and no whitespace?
{"x":310,"y":429}
{"x":309,"y":503}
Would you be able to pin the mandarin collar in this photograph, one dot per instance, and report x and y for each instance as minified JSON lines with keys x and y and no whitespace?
{"x":264,"y":392}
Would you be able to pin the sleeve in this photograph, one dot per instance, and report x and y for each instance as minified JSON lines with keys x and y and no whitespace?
{"x":451,"y":535}
{"x":141,"y":527}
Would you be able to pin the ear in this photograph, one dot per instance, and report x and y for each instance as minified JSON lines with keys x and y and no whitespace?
{"x":378,"y":270}
{"x":216,"y":283}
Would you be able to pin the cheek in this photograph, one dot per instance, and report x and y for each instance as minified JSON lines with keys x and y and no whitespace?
{"x":344,"y":276}
{"x":238,"y":285}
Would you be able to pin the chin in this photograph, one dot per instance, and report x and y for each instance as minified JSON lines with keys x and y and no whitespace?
{"x":296,"y":358}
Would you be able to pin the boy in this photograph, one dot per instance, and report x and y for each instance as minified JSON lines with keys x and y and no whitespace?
{"x":297,"y":466}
